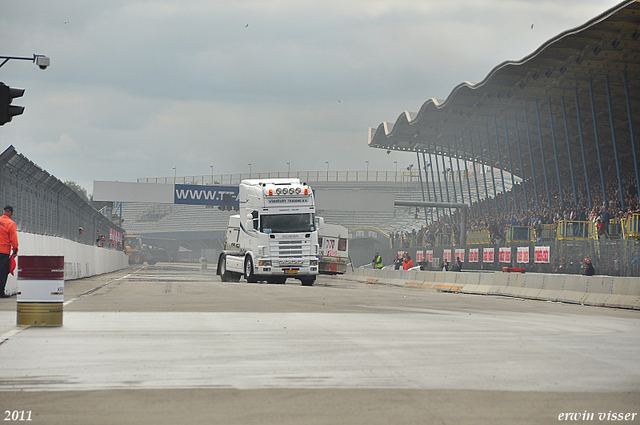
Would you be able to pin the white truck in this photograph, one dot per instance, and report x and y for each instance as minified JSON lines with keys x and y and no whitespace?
{"x":334,"y":249}
{"x":275,"y":234}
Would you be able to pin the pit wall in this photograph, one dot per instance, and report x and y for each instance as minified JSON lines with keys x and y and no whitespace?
{"x":601,"y":291}
{"x":80,"y":260}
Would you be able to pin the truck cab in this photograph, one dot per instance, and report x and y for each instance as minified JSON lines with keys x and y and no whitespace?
{"x":275,"y":234}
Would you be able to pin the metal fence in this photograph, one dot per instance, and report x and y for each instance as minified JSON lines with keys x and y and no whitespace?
{"x":401,"y":175}
{"x":44,"y":205}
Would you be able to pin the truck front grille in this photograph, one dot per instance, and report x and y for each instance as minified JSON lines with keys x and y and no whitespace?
{"x":290,"y":252}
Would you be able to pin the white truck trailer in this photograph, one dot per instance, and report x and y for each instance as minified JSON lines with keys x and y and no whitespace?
{"x":334,"y":249}
{"x":275,"y":234}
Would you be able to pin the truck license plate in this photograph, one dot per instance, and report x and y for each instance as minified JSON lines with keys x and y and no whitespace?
{"x":291,"y":271}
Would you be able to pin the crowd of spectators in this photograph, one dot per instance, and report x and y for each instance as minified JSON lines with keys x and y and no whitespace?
{"x":490,"y":214}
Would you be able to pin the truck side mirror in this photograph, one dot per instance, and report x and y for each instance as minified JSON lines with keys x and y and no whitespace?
{"x":254,"y":217}
{"x":319,"y":223}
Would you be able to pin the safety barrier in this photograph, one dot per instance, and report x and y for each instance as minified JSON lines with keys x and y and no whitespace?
{"x":80,"y":260}
{"x":444,"y":239}
{"x":518,"y":234}
{"x":478,"y":237}
{"x":600,"y":291}
{"x":574,"y":230}
{"x":631,"y":227}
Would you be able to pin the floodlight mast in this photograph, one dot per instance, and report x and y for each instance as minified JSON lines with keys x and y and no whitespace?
{"x":42,"y":61}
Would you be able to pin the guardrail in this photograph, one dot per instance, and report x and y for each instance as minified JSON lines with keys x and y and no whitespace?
{"x":600,"y":291}
{"x":307,"y":176}
{"x":631,"y":227}
{"x":478,"y":237}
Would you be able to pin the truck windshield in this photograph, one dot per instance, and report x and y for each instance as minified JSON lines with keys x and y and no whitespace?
{"x":287,"y":223}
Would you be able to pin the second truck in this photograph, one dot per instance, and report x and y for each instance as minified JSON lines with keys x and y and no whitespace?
{"x":275,"y":234}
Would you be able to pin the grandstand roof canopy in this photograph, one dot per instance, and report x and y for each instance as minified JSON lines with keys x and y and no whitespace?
{"x":530,"y":109}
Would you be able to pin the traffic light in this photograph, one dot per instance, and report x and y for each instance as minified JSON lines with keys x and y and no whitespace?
{"x":7,"y":110}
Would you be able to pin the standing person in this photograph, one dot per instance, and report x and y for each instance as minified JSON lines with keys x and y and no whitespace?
{"x":377,"y":261}
{"x":605,"y":216}
{"x":408,"y":262}
{"x":445,"y":265}
{"x":8,"y":241}
{"x":589,"y":270}
{"x":602,"y":230}
{"x":399,"y":263}
{"x":458,"y":265}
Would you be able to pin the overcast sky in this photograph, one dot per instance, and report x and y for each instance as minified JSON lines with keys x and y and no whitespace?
{"x":136,"y":88}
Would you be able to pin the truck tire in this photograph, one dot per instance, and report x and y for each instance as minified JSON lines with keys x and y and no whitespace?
{"x":225,"y":275}
{"x":248,"y":270}
{"x":138,"y":259}
{"x":308,"y":281}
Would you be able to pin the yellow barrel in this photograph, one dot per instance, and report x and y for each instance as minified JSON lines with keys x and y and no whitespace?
{"x":40,"y":314}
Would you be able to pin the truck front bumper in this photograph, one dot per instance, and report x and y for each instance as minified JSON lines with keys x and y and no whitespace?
{"x":273,"y":268}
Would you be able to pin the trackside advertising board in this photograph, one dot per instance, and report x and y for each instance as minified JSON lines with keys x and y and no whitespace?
{"x":206,"y":195}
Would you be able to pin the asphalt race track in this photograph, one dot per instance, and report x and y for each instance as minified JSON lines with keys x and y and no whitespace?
{"x":172,"y":344}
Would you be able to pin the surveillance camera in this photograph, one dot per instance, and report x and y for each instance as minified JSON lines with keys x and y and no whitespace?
{"x":43,"y":62}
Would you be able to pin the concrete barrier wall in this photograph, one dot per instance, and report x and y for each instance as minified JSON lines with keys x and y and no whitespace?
{"x":603,"y":291}
{"x":79,"y":260}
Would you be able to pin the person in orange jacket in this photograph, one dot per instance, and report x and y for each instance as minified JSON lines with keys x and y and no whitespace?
{"x":8,"y":241}
{"x":408,"y":262}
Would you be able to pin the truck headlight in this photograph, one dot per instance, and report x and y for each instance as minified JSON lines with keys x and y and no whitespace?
{"x":313,"y":262}
{"x":264,"y":263}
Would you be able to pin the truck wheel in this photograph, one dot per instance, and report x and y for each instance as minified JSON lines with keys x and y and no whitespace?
{"x":248,"y":270}
{"x":222,"y":270}
{"x":309,"y":281}
{"x":138,"y":259}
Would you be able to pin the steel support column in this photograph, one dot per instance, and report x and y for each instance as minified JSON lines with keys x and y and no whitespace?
{"x":605,"y":201}
{"x":566,"y":135}
{"x":475,"y":173}
{"x":524,"y":186}
{"x":444,"y":169}
{"x":584,"y":155}
{"x":504,"y":189}
{"x":544,"y":167}
{"x":455,"y":142}
{"x":421,"y":186}
{"x":513,"y":180}
{"x":439,"y":181}
{"x":615,"y":143}
{"x":533,"y":168}
{"x":633,"y":143}
{"x":484,"y":176}
{"x":466,"y":172}
{"x":426,"y":179}
{"x":555,"y":153}
{"x":433,"y":181}
{"x":453,"y":179}
{"x":426,"y":176}
{"x":493,"y":176}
